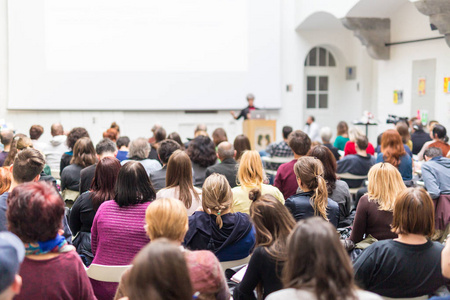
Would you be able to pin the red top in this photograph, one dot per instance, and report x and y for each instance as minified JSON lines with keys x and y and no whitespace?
{"x":442,"y":145}
{"x":286,"y":181}
{"x":60,"y":277}
{"x":350,"y":149}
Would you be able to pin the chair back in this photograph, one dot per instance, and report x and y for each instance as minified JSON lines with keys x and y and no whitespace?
{"x":351,"y":176}
{"x":234,"y":263}
{"x":106,"y":273}
{"x":414,"y":298}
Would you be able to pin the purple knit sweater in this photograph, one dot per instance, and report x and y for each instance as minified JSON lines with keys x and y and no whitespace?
{"x":117,"y":235}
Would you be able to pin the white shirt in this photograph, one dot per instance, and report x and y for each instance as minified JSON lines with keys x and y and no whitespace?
{"x":313,"y":131}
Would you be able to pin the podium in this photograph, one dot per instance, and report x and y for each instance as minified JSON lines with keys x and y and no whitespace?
{"x":260,"y":132}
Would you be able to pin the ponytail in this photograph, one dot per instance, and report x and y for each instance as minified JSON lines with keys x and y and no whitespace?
{"x":320,"y":198}
{"x":216,"y":197}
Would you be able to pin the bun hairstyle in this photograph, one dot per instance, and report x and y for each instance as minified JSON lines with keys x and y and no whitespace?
{"x":216,"y":196}
{"x":254,"y":194}
{"x":310,"y":171}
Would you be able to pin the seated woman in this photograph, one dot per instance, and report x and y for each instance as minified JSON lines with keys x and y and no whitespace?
{"x":230,"y":236}
{"x":393,"y":152}
{"x":410,"y":265}
{"x":52,"y":268}
{"x":167,"y":218}
{"x":118,"y":232}
{"x":74,"y":135}
{"x":273,"y":224}
{"x":241,"y":144}
{"x":350,"y":148}
{"x":313,"y":199}
{"x":139,"y":151}
{"x":19,"y":143}
{"x":179,"y":182}
{"x":83,"y":156}
{"x":317,"y":266}
{"x":342,"y":136}
{"x":374,"y":210}
{"x":83,"y":211}
{"x":202,"y":153}
{"x":337,"y":189}
{"x":251,"y":175}
{"x":439,"y":136}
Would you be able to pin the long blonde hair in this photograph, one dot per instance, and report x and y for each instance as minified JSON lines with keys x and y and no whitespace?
{"x":310,"y":171}
{"x":216,"y":196}
{"x":385,"y":183}
{"x":251,"y":172}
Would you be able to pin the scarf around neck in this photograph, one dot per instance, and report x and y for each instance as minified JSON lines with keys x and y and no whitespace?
{"x":56,"y":245}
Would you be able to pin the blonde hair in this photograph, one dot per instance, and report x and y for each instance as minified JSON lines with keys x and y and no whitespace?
{"x":251,"y":172}
{"x":385,"y":183}
{"x":310,"y":171}
{"x":354,"y":133}
{"x":216,"y":196}
{"x":166,"y":217}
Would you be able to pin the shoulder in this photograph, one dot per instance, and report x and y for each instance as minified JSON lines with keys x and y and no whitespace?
{"x":107,"y":205}
{"x":333,"y":204}
{"x":341,"y":185}
{"x":360,"y":294}
{"x":290,"y":294}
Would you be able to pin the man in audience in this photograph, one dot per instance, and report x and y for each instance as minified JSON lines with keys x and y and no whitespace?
{"x":154,"y":128}
{"x":104,"y":148}
{"x":356,"y":164}
{"x":418,"y":136}
{"x":436,"y":173}
{"x":246,"y":111}
{"x":54,"y":150}
{"x":6,"y":137}
{"x":160,"y":135}
{"x":325,"y":134}
{"x":286,"y":181}
{"x":35,"y":133}
{"x":228,"y":165}
{"x":280,"y":149}
{"x":12,"y":253}
{"x":165,"y":150}
{"x":201,"y":129}
{"x":122,"y":145}
{"x":312,"y":129}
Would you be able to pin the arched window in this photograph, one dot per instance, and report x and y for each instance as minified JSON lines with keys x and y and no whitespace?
{"x":320,"y":57}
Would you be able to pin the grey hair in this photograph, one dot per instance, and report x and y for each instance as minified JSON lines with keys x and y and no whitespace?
{"x":250,"y":96}
{"x":225,"y":150}
{"x":139,"y":148}
{"x":326,"y":133}
{"x":433,"y":152}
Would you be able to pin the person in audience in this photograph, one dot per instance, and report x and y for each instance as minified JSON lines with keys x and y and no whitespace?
{"x":51,"y":269}
{"x":122,"y":145}
{"x":285,"y":180}
{"x":55,"y":149}
{"x":104,"y":148}
{"x":228,"y":166}
{"x":410,"y":265}
{"x":337,"y":189}
{"x":74,"y":135}
{"x":431,"y":125}
{"x":19,"y":143}
{"x":325,"y":135}
{"x":159,"y":272}
{"x":165,"y":150}
{"x":5,"y":179}
{"x":83,"y":156}
{"x":241,"y":144}
{"x":200,"y":129}
{"x":115,"y":126}
{"x":219,"y":135}
{"x":112,"y":134}
{"x":436,"y":173}
{"x":445,"y":264}
{"x":439,"y":135}
{"x":12,"y":253}
{"x":418,"y":137}
{"x":403,"y":130}
{"x":350,"y":147}
{"x":280,"y":149}
{"x":356,"y":164}
{"x":342,"y":136}
{"x":374,"y":209}
{"x":35,"y":133}
{"x":245,"y":113}
{"x":250,"y":176}
{"x":230,"y":236}
{"x":177,"y":138}
{"x":317,"y":266}
{"x":160,"y":135}
{"x":393,"y":152}
{"x":117,"y":232}
{"x":202,"y":153}
{"x":312,"y":129}
{"x":273,"y":224}
{"x":166,"y":218}
{"x":6,"y":138}
{"x":313,"y":199}
{"x":179,"y":182}
{"x":83,"y":211}
{"x":139,"y":151}
{"x":154,"y":128}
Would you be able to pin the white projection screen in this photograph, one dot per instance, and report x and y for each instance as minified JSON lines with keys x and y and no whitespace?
{"x":143,"y":54}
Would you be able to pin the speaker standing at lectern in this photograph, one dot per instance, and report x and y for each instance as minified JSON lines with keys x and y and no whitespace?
{"x":246,"y":111}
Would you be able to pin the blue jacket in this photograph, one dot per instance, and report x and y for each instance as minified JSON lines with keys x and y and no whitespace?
{"x":436,"y":176}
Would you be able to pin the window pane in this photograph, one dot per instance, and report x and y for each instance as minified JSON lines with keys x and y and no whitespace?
{"x":331,"y":61}
{"x":313,"y":57}
{"x":323,"y":101}
{"x":322,"y":57}
{"x":323,"y":83}
{"x":311,"y":101}
{"x":306,"y":61}
{"x":311,"y":84}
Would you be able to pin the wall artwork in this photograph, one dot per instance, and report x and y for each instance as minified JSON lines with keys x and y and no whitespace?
{"x":422,"y":86}
{"x":447,"y":85}
{"x":398,"y":97}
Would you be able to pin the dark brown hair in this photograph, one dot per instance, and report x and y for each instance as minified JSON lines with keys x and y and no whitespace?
{"x":219,"y":135}
{"x":84,"y":153}
{"x":342,"y":128}
{"x":241,"y":144}
{"x":166,"y":148}
{"x":36,"y":131}
{"x":202,"y":151}
{"x":403,"y":130}
{"x":74,"y":135}
{"x":104,"y":181}
{"x":392,"y":147}
{"x":28,"y":164}
{"x":413,"y":213}
{"x":177,"y":138}
{"x":328,"y":160}
{"x":317,"y":261}
{"x":19,"y":143}
{"x":299,"y":142}
{"x":160,"y":134}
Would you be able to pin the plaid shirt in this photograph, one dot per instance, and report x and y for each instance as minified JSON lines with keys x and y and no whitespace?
{"x":280,"y":149}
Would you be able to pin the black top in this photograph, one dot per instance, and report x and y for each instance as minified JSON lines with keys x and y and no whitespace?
{"x":263,"y":269}
{"x":393,"y":269}
{"x":418,"y":138}
{"x":70,"y":178}
{"x":245,"y":112}
{"x":300,"y":207}
{"x":86,"y":177}
{"x":228,"y":167}
{"x":65,"y":161}
{"x":333,"y":150}
{"x":82,"y":214}
{"x":154,"y":154}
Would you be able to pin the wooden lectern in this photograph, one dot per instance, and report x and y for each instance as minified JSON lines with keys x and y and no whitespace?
{"x":260,"y":132}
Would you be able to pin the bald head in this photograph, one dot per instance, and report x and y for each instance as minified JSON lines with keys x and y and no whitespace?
{"x":225,"y":150}
{"x":57,"y":129}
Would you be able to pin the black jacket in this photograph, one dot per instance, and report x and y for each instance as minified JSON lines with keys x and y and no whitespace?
{"x":228,"y":167}
{"x":418,"y":138}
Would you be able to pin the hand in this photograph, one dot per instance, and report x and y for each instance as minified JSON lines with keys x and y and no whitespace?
{"x":233,"y":114}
